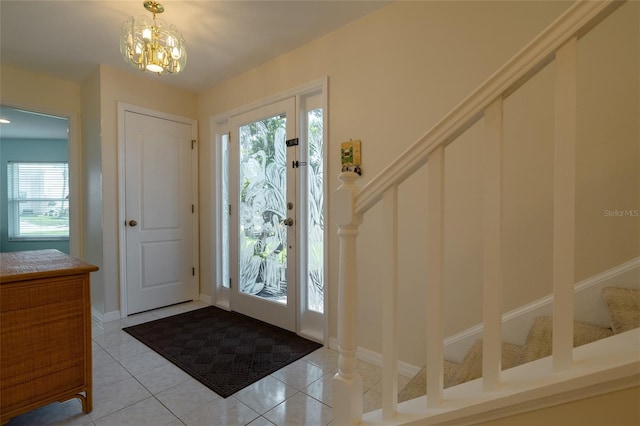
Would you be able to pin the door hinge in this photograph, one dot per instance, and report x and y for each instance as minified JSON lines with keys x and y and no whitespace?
{"x":297,"y":164}
{"x":230,"y":284}
{"x":193,"y":209}
{"x":193,"y":271}
{"x":193,"y":142}
{"x":229,"y":209}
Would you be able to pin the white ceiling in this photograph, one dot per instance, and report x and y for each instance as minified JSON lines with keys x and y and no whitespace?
{"x":68,"y":39}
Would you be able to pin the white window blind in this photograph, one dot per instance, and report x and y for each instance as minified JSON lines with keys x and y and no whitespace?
{"x":38,"y":199}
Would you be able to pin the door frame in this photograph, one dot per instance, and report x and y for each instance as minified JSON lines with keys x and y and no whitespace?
{"x":122,"y":253}
{"x":219,"y":125}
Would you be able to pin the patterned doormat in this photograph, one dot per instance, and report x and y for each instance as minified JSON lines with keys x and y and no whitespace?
{"x":225,"y":351}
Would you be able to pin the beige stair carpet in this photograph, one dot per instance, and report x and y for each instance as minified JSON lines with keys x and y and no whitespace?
{"x":623,"y":305}
{"x":455,"y":374}
{"x":538,"y":343}
{"x":418,"y":384}
{"x":471,"y":367}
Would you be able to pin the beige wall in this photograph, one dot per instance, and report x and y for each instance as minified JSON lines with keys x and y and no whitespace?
{"x":618,"y":408}
{"x":38,"y":92}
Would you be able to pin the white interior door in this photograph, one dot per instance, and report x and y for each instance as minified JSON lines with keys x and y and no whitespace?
{"x":158,"y":212}
{"x":263,"y":214}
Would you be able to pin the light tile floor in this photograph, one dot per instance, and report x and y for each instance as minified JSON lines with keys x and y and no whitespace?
{"x":135,"y":386}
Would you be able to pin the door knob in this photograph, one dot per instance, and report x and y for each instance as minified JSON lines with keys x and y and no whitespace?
{"x":288,"y":221}
{"x":132,"y":223}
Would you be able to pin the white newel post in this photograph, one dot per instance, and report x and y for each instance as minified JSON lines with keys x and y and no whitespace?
{"x":347,"y":383}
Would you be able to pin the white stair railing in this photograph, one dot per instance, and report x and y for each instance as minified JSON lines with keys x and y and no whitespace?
{"x":557,"y":42}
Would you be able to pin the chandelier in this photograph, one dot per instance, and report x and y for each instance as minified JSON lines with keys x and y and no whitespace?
{"x":151,"y":44}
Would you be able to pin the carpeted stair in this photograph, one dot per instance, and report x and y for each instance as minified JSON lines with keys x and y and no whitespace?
{"x":622,"y":304}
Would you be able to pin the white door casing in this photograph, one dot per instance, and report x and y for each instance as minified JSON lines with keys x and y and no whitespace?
{"x":158,"y":179}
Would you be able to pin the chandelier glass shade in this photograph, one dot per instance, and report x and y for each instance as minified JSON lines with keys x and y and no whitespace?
{"x":151,"y":44}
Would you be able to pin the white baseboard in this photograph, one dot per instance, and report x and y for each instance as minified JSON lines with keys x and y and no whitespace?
{"x":588,"y":307}
{"x":98,"y":318}
{"x":205,"y":298}
{"x":375,"y":358}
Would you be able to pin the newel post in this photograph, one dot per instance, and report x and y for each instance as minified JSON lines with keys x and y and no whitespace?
{"x":347,"y":383}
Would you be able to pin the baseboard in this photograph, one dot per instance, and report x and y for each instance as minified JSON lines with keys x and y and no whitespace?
{"x":588,"y":307}
{"x":375,"y":358}
{"x":205,"y":298}
{"x":98,"y":318}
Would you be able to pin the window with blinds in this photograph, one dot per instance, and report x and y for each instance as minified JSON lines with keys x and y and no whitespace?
{"x":38,"y":199}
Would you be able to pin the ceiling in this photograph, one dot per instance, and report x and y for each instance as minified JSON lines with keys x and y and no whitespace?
{"x":68,"y":39}
{"x":32,"y":125}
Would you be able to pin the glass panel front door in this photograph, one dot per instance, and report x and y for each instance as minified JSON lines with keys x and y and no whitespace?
{"x":263,"y":231}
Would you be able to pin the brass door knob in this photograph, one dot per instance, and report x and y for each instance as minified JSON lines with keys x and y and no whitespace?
{"x":132,"y":223}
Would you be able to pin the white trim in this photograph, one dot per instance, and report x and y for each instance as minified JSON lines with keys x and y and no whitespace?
{"x":205,"y":298}
{"x":98,"y":319}
{"x":122,"y":253}
{"x":111,"y":316}
{"x":375,"y":358}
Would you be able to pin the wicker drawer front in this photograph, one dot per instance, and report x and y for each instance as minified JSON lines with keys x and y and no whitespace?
{"x":42,"y":339}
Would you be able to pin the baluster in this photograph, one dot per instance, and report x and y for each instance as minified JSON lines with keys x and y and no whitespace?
{"x":389,"y":275}
{"x":564,"y":204}
{"x":492,"y":267}
{"x":347,"y":383}
{"x":435,"y":277}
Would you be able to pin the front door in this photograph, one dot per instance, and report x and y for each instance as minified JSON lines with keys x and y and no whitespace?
{"x":263,"y":222}
{"x":158,"y":212}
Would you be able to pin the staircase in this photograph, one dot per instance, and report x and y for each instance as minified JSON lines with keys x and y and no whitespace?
{"x":547,"y":370}
{"x":623,"y":306}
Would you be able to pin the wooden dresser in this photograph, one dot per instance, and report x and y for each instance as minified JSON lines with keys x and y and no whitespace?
{"x":45,"y":331}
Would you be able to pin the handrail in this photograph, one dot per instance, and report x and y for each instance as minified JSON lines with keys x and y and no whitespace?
{"x":576,"y":21}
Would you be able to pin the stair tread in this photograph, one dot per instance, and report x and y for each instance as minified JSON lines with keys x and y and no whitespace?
{"x":417,"y":386}
{"x":471,"y":367}
{"x":623,"y":305}
{"x":538,"y":343}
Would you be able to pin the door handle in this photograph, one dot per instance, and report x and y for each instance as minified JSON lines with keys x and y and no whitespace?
{"x":132,"y":223}
{"x":288,"y":221}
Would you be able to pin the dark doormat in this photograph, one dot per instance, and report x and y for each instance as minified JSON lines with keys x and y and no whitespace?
{"x":225,"y":351}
